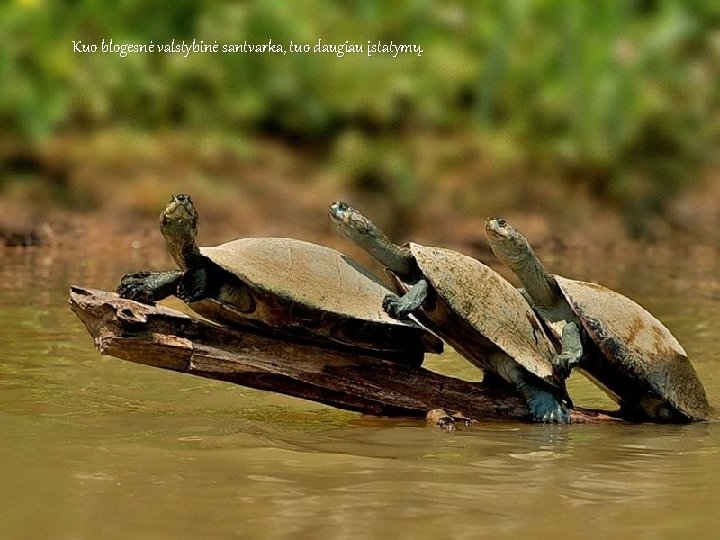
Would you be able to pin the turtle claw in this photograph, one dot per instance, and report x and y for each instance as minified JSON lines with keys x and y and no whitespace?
{"x":444,"y":420}
{"x":545,"y":408}
{"x":543,"y":405}
{"x":187,"y":295}
{"x":135,"y":287}
{"x":395,"y":307}
{"x":148,"y":287}
{"x":400,"y":307}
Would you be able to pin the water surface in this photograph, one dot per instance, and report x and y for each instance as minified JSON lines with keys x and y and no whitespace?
{"x":94,"y":447}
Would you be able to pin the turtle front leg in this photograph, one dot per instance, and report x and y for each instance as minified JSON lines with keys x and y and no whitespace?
{"x":400,"y":307}
{"x":210,"y":281}
{"x":572,"y":350}
{"x":149,"y":286}
{"x":198,"y":283}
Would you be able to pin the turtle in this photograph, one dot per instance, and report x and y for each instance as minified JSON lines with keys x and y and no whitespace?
{"x":472,"y":308}
{"x":282,"y":286}
{"x":623,"y":348}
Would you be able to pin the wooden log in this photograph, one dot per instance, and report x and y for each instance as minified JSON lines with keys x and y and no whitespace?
{"x":158,"y":336}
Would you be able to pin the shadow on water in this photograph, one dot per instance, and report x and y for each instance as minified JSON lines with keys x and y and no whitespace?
{"x":94,"y":446}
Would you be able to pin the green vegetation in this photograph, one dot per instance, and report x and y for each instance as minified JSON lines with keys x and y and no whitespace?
{"x":618,"y":95}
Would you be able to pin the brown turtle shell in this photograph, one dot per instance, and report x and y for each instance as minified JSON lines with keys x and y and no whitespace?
{"x":637,"y":347}
{"x":306,"y":290}
{"x":478,"y":312}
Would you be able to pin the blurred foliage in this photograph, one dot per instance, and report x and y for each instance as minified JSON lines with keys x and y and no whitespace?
{"x":619,"y":95}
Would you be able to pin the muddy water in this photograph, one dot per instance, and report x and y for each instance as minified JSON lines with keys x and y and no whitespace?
{"x":93,"y":447}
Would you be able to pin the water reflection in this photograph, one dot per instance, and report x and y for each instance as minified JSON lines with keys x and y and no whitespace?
{"x":93,"y":446}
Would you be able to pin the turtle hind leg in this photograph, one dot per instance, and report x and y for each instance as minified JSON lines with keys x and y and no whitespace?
{"x":400,"y":307}
{"x":544,"y":405}
{"x":149,"y":286}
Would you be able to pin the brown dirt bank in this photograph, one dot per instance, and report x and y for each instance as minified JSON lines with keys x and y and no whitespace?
{"x":105,"y":191}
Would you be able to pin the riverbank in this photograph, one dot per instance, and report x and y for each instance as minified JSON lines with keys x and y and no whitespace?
{"x":105,"y":191}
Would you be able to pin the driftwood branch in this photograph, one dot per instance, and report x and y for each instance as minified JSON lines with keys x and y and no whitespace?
{"x":161,"y":337}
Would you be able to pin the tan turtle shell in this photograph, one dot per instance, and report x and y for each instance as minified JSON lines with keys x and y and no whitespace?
{"x":478,"y":312}
{"x":638,"y":347}
{"x":306,"y":290}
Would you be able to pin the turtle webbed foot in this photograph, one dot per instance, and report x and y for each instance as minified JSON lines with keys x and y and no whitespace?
{"x":543,"y":405}
{"x":148,"y":286}
{"x":547,"y":409}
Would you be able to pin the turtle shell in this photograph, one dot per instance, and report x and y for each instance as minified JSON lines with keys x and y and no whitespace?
{"x":477,"y":311}
{"x":637,"y":345}
{"x":307,"y":290}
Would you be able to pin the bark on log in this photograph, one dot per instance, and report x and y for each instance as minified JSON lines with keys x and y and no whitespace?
{"x":158,"y":336}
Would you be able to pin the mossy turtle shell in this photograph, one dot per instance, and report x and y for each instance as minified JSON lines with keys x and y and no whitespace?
{"x":638,"y":344}
{"x":302,"y":288}
{"x":481,"y":300}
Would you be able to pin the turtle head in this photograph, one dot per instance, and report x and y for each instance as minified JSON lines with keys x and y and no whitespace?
{"x":179,"y":219}
{"x":506,"y":242}
{"x":179,"y":226}
{"x":356,"y":227}
{"x":350,"y":223}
